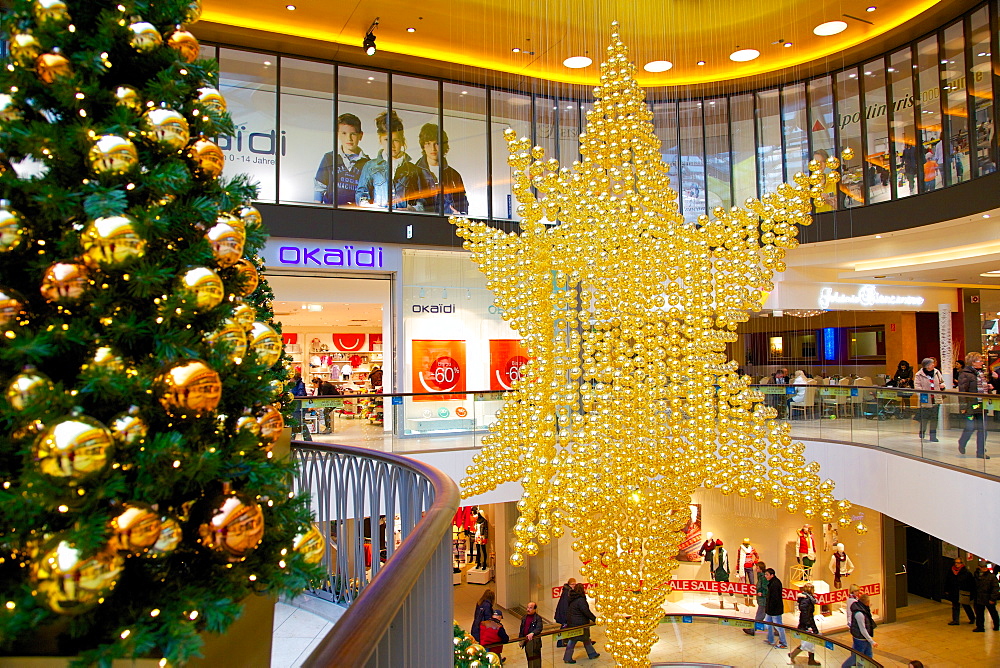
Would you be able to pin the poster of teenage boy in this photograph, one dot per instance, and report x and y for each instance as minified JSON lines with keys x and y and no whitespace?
{"x":372,"y":184}
{"x":342,"y":167}
{"x":434,"y":149}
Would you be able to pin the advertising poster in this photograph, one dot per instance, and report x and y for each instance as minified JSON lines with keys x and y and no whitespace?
{"x":507,"y":356}
{"x":687,"y":551}
{"x":438,"y":366}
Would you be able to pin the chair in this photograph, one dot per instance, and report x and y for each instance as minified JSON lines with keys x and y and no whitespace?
{"x":858,"y":401}
{"x":808,"y":401}
{"x":838,"y":403}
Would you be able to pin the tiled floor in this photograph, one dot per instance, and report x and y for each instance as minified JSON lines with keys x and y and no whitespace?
{"x":296,"y":634}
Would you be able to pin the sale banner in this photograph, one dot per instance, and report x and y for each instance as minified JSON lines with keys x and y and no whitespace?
{"x":507,"y":356}
{"x":438,"y":366}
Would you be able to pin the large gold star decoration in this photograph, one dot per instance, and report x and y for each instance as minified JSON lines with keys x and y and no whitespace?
{"x":629,"y":402}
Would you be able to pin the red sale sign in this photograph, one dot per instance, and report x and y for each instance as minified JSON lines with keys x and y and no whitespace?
{"x":507,"y":356}
{"x":438,"y":366}
{"x":747,"y":589}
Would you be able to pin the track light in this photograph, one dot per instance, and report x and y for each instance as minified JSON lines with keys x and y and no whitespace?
{"x":369,"y":44}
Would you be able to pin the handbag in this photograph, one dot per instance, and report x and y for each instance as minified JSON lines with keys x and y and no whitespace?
{"x":965,"y":598}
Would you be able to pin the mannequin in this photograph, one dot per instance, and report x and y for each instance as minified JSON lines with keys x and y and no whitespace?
{"x":840,"y":565}
{"x":719,"y":558}
{"x":806,"y":549}
{"x":748,"y":559}
{"x":831,"y":536}
{"x":482,"y":533}
{"x":708,"y":546}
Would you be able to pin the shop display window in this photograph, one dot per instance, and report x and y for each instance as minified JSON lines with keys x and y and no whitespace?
{"x":717,"y":162}
{"x":850,"y":119}
{"x":415,"y":185}
{"x":793,"y":128}
{"x":465,"y":179}
{"x":744,"y":148}
{"x":903,"y":130}
{"x":508,"y":110}
{"x":769,"y":153}
{"x":954,"y":84}
{"x":930,"y":152}
{"x":822,"y":125}
{"x":569,"y":132}
{"x":692,"y":160}
{"x":980,"y":72}
{"x":309,"y":130}
{"x":362,"y":97}
{"x":665,"y":127}
{"x":878,"y":163}
{"x":249,"y":83}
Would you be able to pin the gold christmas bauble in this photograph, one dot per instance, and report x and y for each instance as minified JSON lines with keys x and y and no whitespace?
{"x":11,"y":307}
{"x":135,"y":530}
{"x":11,"y":227}
{"x":52,"y":66}
{"x":266,"y":343}
{"x":244,"y":315}
{"x":168,"y":540}
{"x":185,"y":44}
{"x":249,"y":278}
{"x":112,"y":154}
{"x":311,"y":545}
{"x":70,"y":582}
{"x":50,"y":10}
{"x":832,"y":162}
{"x":28,"y":389}
{"x":166,"y":127}
{"x":227,"y":243}
{"x":192,"y":13}
{"x":271,"y":424}
{"x":233,"y":526}
{"x":233,"y":334}
{"x":847,"y":154}
{"x":107,"y":359}
{"x":202,"y":288}
{"x":144,"y":36}
{"x":111,"y":243}
{"x":207,"y":157}
{"x":189,"y":387}
{"x":126,"y":96}
{"x":65,"y":282}
{"x":74,"y":446}
{"x":128,"y":428}
{"x":247,"y":423}
{"x":234,"y":222}
{"x":25,"y":47}
{"x":250,"y":216}
{"x":212,"y":99}
{"x":9,"y":111}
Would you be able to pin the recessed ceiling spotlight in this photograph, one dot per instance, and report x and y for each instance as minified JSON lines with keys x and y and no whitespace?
{"x":411,"y":30}
{"x":290,"y":8}
{"x":871,"y":9}
{"x":986,"y":215}
{"x":577,"y":62}
{"x":516,"y":50}
{"x":369,"y":42}
{"x":878,"y":236}
{"x":830,"y":28}
{"x":786,"y":44}
{"x":882,"y":276}
{"x":465,"y":92}
{"x":658,"y":66}
{"x":700,"y":62}
{"x":744,"y":55}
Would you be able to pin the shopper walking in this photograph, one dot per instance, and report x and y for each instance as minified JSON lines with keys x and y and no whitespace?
{"x":492,"y":635}
{"x":987,"y":593}
{"x":807,"y":622}
{"x":972,"y":380}
{"x":562,"y":607}
{"x":762,"y":585}
{"x":774,"y":608}
{"x":959,"y":586}
{"x":928,"y":379}
{"x":530,"y":634}
{"x":484,"y":611}
{"x":578,"y":614}
{"x":862,"y":627}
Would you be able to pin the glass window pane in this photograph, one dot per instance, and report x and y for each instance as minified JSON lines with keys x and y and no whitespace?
{"x":982,"y":93}
{"x":904,"y":145}
{"x":744,"y":148}
{"x":308,"y":161}
{"x":769,"y":141}
{"x":546,"y":112}
{"x":794,"y":124}
{"x":248,"y":81}
{"x":849,"y":112}
{"x":929,"y":123}
{"x":717,"y":165}
{"x":508,"y":110}
{"x":876,"y":142}
{"x":362,"y":96}
{"x":692,"y":160}
{"x":956,"y":112}
{"x":569,"y":132}
{"x":415,"y":104}
{"x":665,"y":126}
{"x":464,"y":151}
{"x":821,"y":129}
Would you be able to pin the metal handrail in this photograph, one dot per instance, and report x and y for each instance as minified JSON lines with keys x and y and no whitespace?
{"x":357,"y":633}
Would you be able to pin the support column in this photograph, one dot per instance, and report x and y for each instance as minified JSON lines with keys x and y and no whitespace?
{"x":944,"y":335}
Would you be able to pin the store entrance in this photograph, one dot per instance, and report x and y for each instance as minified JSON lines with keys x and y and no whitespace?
{"x":338,"y":334}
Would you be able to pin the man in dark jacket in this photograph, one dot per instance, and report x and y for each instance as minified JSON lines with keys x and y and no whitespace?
{"x":959,"y":580}
{"x":987,"y":593}
{"x":971,"y":379}
{"x":563,"y":605}
{"x":531,"y":629}
{"x":578,"y":614}
{"x":774,"y":609}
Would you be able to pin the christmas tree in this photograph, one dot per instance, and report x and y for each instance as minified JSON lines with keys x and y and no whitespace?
{"x":139,"y":497}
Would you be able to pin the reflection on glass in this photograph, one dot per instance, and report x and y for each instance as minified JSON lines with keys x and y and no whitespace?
{"x":415,"y":124}
{"x":717,"y":164}
{"x":904,"y":145}
{"x":769,"y":141}
{"x":464,"y":168}
{"x":569,"y":132}
{"x":665,"y":127}
{"x":821,"y":127}
{"x":877,"y":163}
{"x":793,"y":125}
{"x":508,"y":110}
{"x":956,"y":113}
{"x":929,"y":150}
{"x":982,"y":92}
{"x":307,"y":125}
{"x":849,"y":120}
{"x":692,"y":160}
{"x":744,"y":148}
{"x":248,"y":82}
{"x":361,"y":96}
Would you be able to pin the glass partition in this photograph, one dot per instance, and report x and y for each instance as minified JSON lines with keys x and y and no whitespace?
{"x":956,"y":112}
{"x":929,"y":149}
{"x":308,"y":130}
{"x":464,"y":163}
{"x":822,"y":127}
{"x":744,"y":148}
{"x":692,"y":160}
{"x":878,"y":165}
{"x":769,"y":151}
{"x":415,"y":182}
{"x":665,"y":126}
{"x":717,"y":162}
{"x":903,"y":130}
{"x":249,"y":82}
{"x":362,"y":101}
{"x":508,"y":110}
{"x":852,"y":180}
{"x":980,"y":73}
{"x":793,"y":129}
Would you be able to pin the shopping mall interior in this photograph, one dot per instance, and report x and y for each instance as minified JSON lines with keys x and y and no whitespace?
{"x":466,"y":366}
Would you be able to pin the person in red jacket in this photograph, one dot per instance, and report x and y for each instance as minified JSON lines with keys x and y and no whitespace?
{"x":492,"y":634}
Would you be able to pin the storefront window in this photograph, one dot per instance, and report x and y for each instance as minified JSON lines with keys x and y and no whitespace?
{"x":878,"y":167}
{"x":956,"y":112}
{"x":569,"y":132}
{"x":904,"y":146}
{"x":308,"y":131}
{"x":665,"y":126}
{"x":508,"y":110}
{"x":794,"y":124}
{"x":546,"y":126}
{"x":744,"y":148}
{"x":362,"y":97}
{"x":852,"y":179}
{"x":821,"y":128}
{"x":692,"y":160}
{"x":769,"y":141}
{"x":929,"y":117}
{"x":416,"y":188}
{"x":717,"y":163}
{"x":249,"y":81}
{"x":980,"y":70}
{"x":464,"y":151}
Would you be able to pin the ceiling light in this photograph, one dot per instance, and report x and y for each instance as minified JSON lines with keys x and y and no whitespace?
{"x":701,"y":62}
{"x":267,"y":63}
{"x":878,"y":236}
{"x":871,"y":9}
{"x":744,"y":55}
{"x":577,"y":62}
{"x":880,"y":276}
{"x":986,"y":215}
{"x":465,"y":92}
{"x":290,"y":8}
{"x":890,"y":69}
{"x":516,"y":50}
{"x":411,"y":30}
{"x":786,"y":44}
{"x":369,"y":43}
{"x":829,"y":28}
{"x":658,"y":66}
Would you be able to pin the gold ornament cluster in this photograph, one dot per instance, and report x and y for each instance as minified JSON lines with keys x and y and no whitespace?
{"x":629,"y":403}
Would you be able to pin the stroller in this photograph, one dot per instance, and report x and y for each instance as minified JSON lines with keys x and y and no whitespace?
{"x":882,"y":408}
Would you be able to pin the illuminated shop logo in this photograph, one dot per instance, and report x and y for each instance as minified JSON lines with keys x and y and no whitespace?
{"x":433,"y":308}
{"x":867,"y":295}
{"x":345,"y":256}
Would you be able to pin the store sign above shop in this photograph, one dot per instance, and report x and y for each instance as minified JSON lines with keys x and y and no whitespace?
{"x":866,"y":296}
{"x":288,"y":253}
